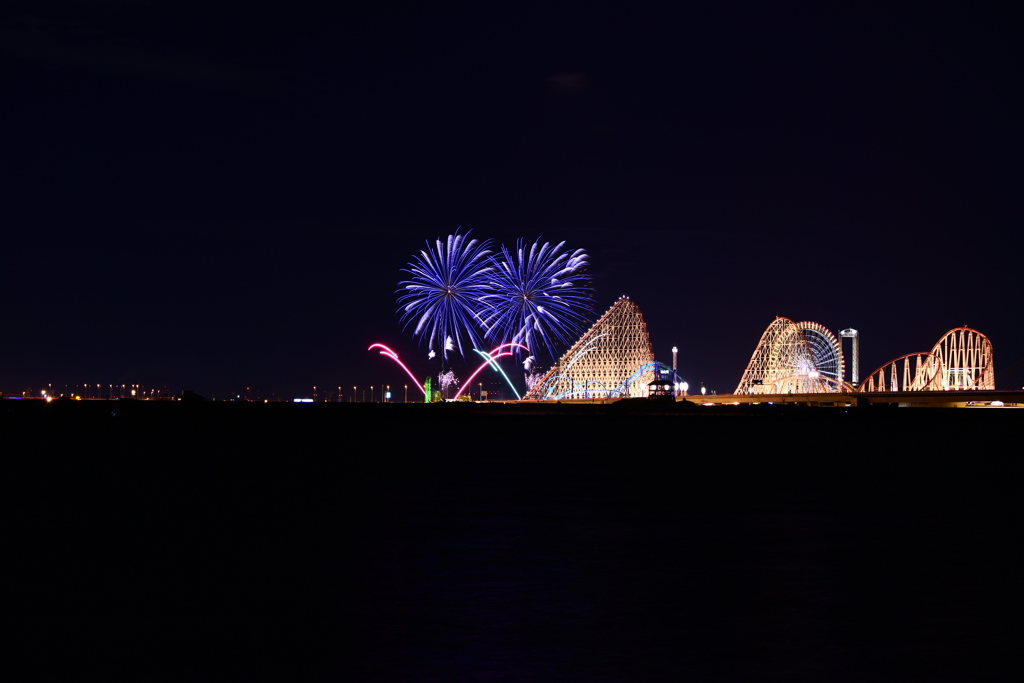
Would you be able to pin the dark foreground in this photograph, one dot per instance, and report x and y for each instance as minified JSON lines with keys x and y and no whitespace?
{"x":425,"y":543}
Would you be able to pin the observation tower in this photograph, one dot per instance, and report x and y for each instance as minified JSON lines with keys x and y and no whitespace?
{"x":854,"y":352}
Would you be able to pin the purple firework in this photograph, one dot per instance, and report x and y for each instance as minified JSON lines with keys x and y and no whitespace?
{"x":444,"y":294}
{"x":538,"y":296}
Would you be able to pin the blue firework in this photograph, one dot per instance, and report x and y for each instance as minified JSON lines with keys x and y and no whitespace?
{"x":538,"y":296}
{"x":443,"y":295}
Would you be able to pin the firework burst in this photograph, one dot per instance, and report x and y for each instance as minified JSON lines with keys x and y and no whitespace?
{"x":537,"y":296}
{"x":444,"y":293}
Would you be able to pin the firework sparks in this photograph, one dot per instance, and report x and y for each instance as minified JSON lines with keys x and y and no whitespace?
{"x":447,"y":379}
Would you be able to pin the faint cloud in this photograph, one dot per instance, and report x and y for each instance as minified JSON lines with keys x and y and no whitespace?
{"x":568,"y":81}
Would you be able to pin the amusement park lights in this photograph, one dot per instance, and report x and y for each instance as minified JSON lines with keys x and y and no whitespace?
{"x":807,"y":358}
{"x":613,"y":358}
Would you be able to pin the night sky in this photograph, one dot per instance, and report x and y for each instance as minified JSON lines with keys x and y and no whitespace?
{"x":211,"y":199}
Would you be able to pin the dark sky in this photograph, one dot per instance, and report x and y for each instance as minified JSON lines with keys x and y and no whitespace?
{"x":213,"y":199}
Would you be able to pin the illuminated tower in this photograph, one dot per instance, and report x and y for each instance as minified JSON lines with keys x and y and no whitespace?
{"x":855,"y":352}
{"x":675,"y":371}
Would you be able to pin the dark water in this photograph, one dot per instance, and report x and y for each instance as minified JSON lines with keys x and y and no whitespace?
{"x":388,"y":544}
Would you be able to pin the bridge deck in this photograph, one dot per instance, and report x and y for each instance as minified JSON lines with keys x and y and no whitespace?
{"x":933,"y":399}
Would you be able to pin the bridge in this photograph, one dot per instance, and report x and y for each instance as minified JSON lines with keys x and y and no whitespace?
{"x":963,"y":398}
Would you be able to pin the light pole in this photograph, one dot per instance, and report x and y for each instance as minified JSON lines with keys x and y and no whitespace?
{"x":406,"y":394}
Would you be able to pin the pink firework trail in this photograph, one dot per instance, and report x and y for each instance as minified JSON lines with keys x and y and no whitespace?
{"x":480,"y":369}
{"x":394,"y":356}
{"x":492,"y":356}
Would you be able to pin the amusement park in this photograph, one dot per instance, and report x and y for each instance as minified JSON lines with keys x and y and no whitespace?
{"x":794,"y":362}
{"x":530,"y":300}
